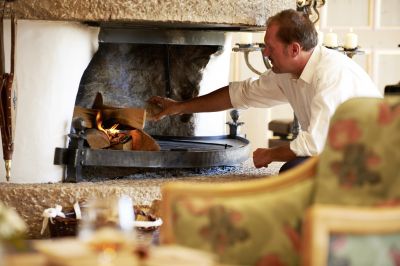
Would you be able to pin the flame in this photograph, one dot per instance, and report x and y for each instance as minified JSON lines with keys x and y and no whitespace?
{"x":111,"y":132}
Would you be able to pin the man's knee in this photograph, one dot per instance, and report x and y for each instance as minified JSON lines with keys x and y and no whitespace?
{"x":290,"y":164}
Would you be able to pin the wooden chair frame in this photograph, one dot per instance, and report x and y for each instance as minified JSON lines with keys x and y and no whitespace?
{"x":323,"y":220}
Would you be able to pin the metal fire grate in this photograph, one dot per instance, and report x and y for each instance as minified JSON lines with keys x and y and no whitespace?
{"x":176,"y":152}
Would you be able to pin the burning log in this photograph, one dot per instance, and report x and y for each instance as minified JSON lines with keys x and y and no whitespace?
{"x":132,"y":117}
{"x":119,"y":138}
{"x":132,"y":120}
{"x":132,"y":140}
{"x":97,"y":139}
{"x":125,"y":146}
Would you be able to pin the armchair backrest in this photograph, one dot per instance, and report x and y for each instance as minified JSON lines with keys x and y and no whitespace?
{"x":360,"y":165}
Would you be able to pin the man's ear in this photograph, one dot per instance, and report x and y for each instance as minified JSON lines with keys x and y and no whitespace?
{"x":294,"y":49}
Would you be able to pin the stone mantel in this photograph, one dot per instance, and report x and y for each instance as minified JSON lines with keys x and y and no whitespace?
{"x":250,"y":14}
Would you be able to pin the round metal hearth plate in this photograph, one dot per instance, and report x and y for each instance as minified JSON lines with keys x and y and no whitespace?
{"x":176,"y":152}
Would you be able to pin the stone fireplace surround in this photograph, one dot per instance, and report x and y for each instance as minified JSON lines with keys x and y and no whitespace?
{"x":53,"y":50}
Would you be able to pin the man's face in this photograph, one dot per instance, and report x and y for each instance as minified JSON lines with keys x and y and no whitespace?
{"x":276,"y":51}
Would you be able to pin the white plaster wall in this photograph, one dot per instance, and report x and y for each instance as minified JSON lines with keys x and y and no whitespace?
{"x":50,"y":60}
{"x":215,"y":76}
{"x":255,"y":119}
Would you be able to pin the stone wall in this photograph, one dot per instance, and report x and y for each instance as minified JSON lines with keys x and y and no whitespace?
{"x":217,"y":12}
{"x":129,"y":74}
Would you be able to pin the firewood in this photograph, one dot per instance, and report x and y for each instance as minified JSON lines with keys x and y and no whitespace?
{"x":119,"y":137}
{"x":126,"y":146}
{"x":143,"y":142}
{"x":133,"y":117}
{"x":97,"y":139}
{"x":98,"y":102}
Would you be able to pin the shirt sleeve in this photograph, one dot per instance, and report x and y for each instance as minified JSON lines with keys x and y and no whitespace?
{"x":261,"y":92}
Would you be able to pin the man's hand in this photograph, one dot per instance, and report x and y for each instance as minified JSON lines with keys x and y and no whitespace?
{"x":167,"y":106}
{"x":262,"y":157}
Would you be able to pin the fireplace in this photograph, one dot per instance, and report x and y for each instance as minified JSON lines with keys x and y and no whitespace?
{"x":130,"y":66}
{"x":56,"y":40}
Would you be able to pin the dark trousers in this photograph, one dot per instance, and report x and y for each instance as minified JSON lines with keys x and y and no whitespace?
{"x":290,"y":164}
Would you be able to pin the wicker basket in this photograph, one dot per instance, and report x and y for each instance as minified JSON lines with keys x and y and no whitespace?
{"x":62,"y":227}
{"x":68,"y":226}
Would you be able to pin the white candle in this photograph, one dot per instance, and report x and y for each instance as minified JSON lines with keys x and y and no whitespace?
{"x":331,"y":39}
{"x":245,"y":38}
{"x":350,"y":40}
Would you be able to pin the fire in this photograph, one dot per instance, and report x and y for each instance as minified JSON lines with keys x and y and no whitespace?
{"x":111,"y":132}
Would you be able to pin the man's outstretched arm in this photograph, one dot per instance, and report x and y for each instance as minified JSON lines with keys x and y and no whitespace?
{"x":217,"y":100}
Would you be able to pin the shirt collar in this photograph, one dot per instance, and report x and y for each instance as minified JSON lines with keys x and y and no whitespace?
{"x":311,"y":65}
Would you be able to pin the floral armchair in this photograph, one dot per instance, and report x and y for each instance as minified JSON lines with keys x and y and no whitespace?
{"x":271,"y":221}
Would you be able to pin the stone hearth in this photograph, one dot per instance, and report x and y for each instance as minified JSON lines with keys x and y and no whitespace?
{"x":31,"y":199}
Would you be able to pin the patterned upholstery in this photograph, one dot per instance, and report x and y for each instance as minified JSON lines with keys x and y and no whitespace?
{"x":360,"y":165}
{"x":259,"y":222}
{"x":254,"y":222}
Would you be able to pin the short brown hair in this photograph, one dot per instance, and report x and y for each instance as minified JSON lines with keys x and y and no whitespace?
{"x":295,"y":26}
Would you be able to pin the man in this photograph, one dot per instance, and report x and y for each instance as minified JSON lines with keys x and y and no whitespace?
{"x":313,"y":79}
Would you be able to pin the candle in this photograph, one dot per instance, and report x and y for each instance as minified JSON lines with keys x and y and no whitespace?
{"x":350,"y":40}
{"x":245,"y":37}
{"x":330,"y":39}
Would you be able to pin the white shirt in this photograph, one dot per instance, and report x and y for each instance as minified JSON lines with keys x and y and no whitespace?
{"x":328,"y":79}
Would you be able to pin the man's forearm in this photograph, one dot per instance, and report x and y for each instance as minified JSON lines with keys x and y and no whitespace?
{"x":262,"y":157}
{"x":218,"y":100}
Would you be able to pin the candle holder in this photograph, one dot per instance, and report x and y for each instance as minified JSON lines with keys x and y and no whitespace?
{"x":350,"y":52}
{"x":246,"y":48}
{"x":332,"y":48}
{"x":310,"y":7}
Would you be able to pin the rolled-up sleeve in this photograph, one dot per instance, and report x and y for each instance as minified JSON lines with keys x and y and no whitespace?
{"x":261,"y":92}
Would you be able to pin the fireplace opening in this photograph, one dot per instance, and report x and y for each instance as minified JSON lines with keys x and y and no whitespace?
{"x":128,"y":68}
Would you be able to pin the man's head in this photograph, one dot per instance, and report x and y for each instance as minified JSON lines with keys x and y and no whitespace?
{"x":290,"y":35}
